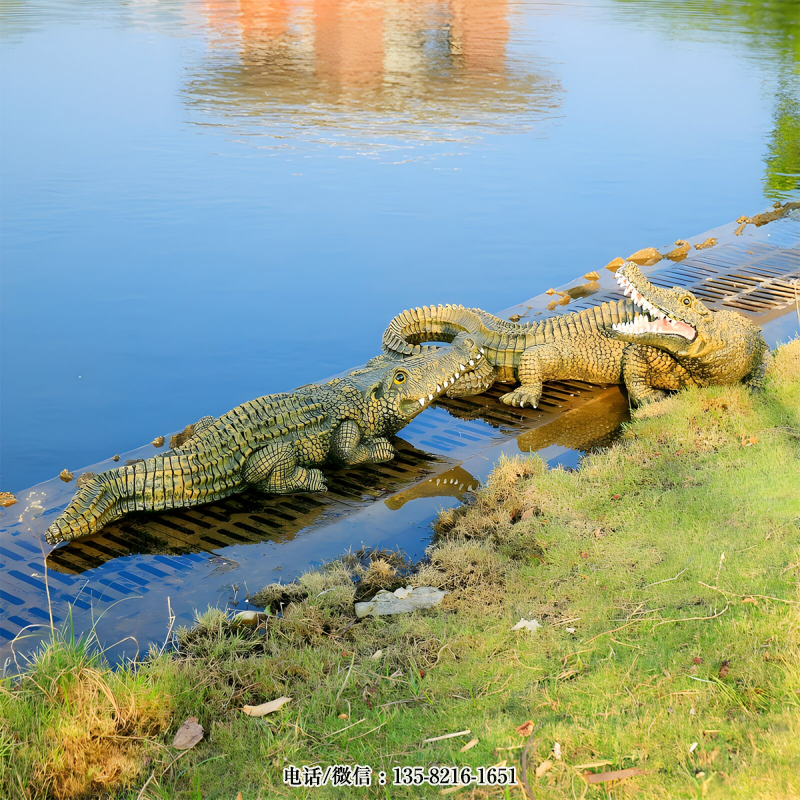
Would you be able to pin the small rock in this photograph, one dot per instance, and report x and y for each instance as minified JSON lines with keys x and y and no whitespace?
{"x":515,"y":318}
{"x":680,"y":252}
{"x":7,"y":499}
{"x":401,"y":601}
{"x":65,"y":475}
{"x":158,"y":441}
{"x":710,"y":242}
{"x":115,"y":458}
{"x":614,"y":265}
{"x":551,"y":292}
{"x":249,"y":619}
{"x":131,"y":461}
{"x":86,"y":477}
{"x":592,"y":276}
{"x":645,"y":257}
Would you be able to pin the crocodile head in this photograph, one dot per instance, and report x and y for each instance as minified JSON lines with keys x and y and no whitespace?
{"x":722,"y":344}
{"x":396,"y":389}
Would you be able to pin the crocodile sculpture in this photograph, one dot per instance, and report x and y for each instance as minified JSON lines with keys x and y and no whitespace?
{"x":658,"y":340}
{"x":275,"y":443}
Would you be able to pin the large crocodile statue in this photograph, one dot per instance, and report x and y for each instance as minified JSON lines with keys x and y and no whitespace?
{"x":658,"y":340}
{"x":275,"y":443}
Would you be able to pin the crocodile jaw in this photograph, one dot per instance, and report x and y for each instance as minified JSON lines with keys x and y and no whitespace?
{"x":655,"y":321}
{"x":415,"y":406}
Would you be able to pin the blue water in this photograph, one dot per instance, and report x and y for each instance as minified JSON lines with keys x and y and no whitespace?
{"x":203,"y":202}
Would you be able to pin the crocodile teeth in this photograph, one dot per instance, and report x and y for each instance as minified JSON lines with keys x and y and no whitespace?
{"x":478,"y":357}
{"x":438,"y":388}
{"x":421,"y":401}
{"x":471,"y":363}
{"x":461,"y":367}
{"x":430,"y":397}
{"x":481,"y":349}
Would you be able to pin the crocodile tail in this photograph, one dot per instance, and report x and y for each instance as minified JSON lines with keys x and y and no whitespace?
{"x":408,"y":330}
{"x":149,"y":485}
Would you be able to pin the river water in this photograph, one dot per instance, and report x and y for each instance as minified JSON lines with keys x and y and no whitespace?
{"x":204,"y":202}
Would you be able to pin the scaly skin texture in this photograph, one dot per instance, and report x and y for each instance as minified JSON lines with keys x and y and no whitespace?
{"x":275,"y":442}
{"x":659,"y":340}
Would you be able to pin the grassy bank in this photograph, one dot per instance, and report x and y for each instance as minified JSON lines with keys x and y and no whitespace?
{"x":664,"y":576}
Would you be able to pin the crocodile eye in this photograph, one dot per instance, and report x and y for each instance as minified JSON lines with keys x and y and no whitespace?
{"x":400,"y":377}
{"x":687,"y":301}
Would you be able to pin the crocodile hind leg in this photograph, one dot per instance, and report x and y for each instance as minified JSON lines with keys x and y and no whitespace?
{"x":349,"y":446}
{"x":274,"y":469}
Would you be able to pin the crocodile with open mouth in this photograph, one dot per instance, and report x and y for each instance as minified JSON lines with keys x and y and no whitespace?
{"x":658,"y":340}
{"x":275,"y":443}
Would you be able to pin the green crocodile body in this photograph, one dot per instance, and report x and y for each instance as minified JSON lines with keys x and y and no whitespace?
{"x":658,"y":340}
{"x":275,"y":443}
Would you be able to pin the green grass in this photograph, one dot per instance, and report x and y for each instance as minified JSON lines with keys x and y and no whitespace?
{"x":665,"y":576}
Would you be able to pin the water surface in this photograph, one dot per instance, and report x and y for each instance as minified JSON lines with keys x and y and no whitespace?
{"x":203,"y":202}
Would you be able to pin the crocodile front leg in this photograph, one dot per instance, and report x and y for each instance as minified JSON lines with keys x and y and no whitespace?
{"x":646,"y":371}
{"x":274,"y":469}
{"x":586,"y":358}
{"x":755,"y":380}
{"x":349,"y":446}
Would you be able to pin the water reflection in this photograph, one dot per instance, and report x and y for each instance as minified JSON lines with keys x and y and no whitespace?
{"x":584,"y":428}
{"x":770,"y":30}
{"x":384,"y":64}
{"x":455,"y":482}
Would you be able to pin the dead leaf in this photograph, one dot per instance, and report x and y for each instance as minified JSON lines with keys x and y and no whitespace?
{"x":239,"y":796}
{"x":376,"y":655}
{"x":749,"y":600}
{"x":343,"y":716}
{"x":543,"y":768}
{"x":527,"y":514}
{"x":188,"y":735}
{"x":7,"y":499}
{"x":65,"y":475}
{"x":749,"y":441}
{"x":526,"y":729}
{"x":468,"y":746}
{"x":266,"y":708}
{"x":618,"y":775}
{"x":724,"y":668}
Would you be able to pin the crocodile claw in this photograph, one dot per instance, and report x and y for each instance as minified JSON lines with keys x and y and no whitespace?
{"x":522,"y":397}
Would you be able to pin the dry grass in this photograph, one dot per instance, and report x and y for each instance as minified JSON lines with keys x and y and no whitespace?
{"x":75,"y":726}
